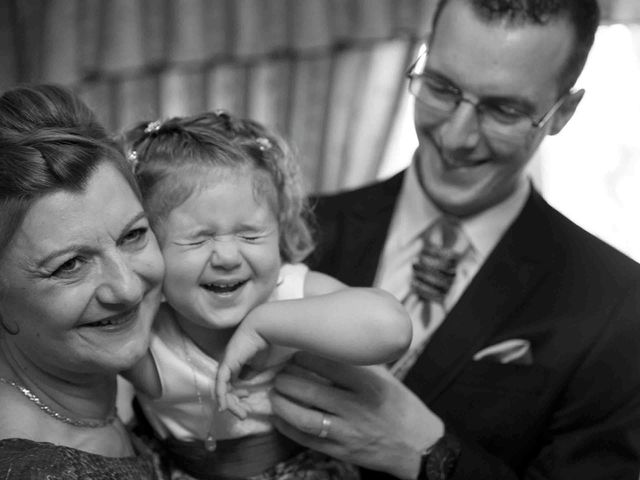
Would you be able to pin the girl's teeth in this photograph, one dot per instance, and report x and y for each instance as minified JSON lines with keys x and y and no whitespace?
{"x":223,"y":288}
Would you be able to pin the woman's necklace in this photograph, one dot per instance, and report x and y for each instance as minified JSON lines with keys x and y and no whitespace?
{"x":210,"y":439}
{"x":58,"y":416}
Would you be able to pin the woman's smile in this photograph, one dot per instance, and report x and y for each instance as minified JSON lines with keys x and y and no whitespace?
{"x":115,"y":322}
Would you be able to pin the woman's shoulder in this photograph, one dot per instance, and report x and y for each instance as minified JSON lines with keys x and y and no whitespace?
{"x":22,"y":458}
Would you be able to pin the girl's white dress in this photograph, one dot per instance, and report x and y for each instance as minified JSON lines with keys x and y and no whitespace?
{"x":187,"y":412}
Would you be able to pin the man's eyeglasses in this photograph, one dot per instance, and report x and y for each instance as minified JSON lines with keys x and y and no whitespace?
{"x":496,"y":118}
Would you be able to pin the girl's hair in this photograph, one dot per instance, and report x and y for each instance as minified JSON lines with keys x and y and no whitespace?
{"x":172,"y":158}
{"x":49,"y":141}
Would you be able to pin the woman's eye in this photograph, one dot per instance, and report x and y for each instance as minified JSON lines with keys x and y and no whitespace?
{"x":134,"y":236}
{"x":68,"y":267}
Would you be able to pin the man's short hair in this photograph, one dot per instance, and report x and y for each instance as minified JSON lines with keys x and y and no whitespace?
{"x":583,"y":15}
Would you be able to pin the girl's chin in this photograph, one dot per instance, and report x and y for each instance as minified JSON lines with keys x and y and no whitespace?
{"x":204,"y":317}
{"x":217,"y":322}
{"x":225,"y":324}
{"x":222,"y":318}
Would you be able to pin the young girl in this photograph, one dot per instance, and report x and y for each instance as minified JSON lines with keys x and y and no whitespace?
{"x":225,"y":201}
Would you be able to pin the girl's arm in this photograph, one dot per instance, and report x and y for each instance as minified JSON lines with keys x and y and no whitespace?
{"x":351,"y":325}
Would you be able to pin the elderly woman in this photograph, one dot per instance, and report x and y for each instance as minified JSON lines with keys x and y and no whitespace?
{"x":80,"y":275}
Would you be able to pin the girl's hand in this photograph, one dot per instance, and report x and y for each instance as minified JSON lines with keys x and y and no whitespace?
{"x":244,"y":344}
{"x":234,"y":403}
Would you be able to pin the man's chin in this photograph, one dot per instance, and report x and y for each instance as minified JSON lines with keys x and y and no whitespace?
{"x":455,"y":201}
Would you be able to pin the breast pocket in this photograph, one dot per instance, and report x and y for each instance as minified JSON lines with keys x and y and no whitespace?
{"x":504,"y":378}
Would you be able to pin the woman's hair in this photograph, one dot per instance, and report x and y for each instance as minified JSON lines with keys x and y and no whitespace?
{"x":49,"y":141}
{"x":173,"y":158}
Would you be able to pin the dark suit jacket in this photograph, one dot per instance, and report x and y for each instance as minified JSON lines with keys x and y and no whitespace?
{"x":575,"y":412}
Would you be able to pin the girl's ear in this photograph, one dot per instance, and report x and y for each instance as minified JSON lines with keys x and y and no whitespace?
{"x":566,"y":111}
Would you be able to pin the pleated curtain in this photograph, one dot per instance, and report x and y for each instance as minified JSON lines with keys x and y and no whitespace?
{"x":326,"y":74}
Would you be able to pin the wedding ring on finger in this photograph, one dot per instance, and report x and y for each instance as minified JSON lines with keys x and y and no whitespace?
{"x":324,"y":427}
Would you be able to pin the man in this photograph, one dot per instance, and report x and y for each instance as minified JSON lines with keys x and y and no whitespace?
{"x":529,"y":364}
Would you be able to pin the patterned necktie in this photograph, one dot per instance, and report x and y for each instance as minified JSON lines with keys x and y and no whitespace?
{"x":434,"y":271}
{"x":444,"y":245}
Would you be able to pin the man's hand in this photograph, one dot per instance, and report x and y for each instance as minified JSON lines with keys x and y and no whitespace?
{"x":374,"y":420}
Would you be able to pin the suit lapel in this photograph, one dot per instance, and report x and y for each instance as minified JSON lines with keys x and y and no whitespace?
{"x":518,"y":263}
{"x":364,"y":231}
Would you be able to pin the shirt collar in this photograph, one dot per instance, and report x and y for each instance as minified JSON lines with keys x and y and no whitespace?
{"x":487,"y":228}
{"x":415,"y":212}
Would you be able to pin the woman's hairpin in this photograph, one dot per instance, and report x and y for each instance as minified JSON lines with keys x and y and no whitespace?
{"x":153,"y":127}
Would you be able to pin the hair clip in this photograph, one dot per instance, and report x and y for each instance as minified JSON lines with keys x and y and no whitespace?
{"x":153,"y":127}
{"x":224,"y":116}
{"x":264,"y":143}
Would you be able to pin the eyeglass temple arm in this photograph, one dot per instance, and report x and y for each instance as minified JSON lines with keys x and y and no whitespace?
{"x":556,"y":106}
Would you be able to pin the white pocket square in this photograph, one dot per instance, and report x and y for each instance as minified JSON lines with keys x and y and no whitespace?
{"x":515,"y":351}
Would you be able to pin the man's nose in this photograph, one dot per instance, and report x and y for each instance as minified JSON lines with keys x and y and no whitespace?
{"x":461,"y":131}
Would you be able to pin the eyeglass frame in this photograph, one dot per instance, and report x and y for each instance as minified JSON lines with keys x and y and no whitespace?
{"x":535,"y":124}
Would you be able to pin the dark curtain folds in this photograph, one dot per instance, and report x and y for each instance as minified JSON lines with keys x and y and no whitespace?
{"x":327,"y":74}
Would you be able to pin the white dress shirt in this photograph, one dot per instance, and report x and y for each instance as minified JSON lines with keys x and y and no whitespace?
{"x":414,"y":212}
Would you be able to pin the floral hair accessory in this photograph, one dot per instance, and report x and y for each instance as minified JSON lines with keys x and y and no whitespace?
{"x":264,"y":143}
{"x":225,"y":117}
{"x":153,"y":127}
